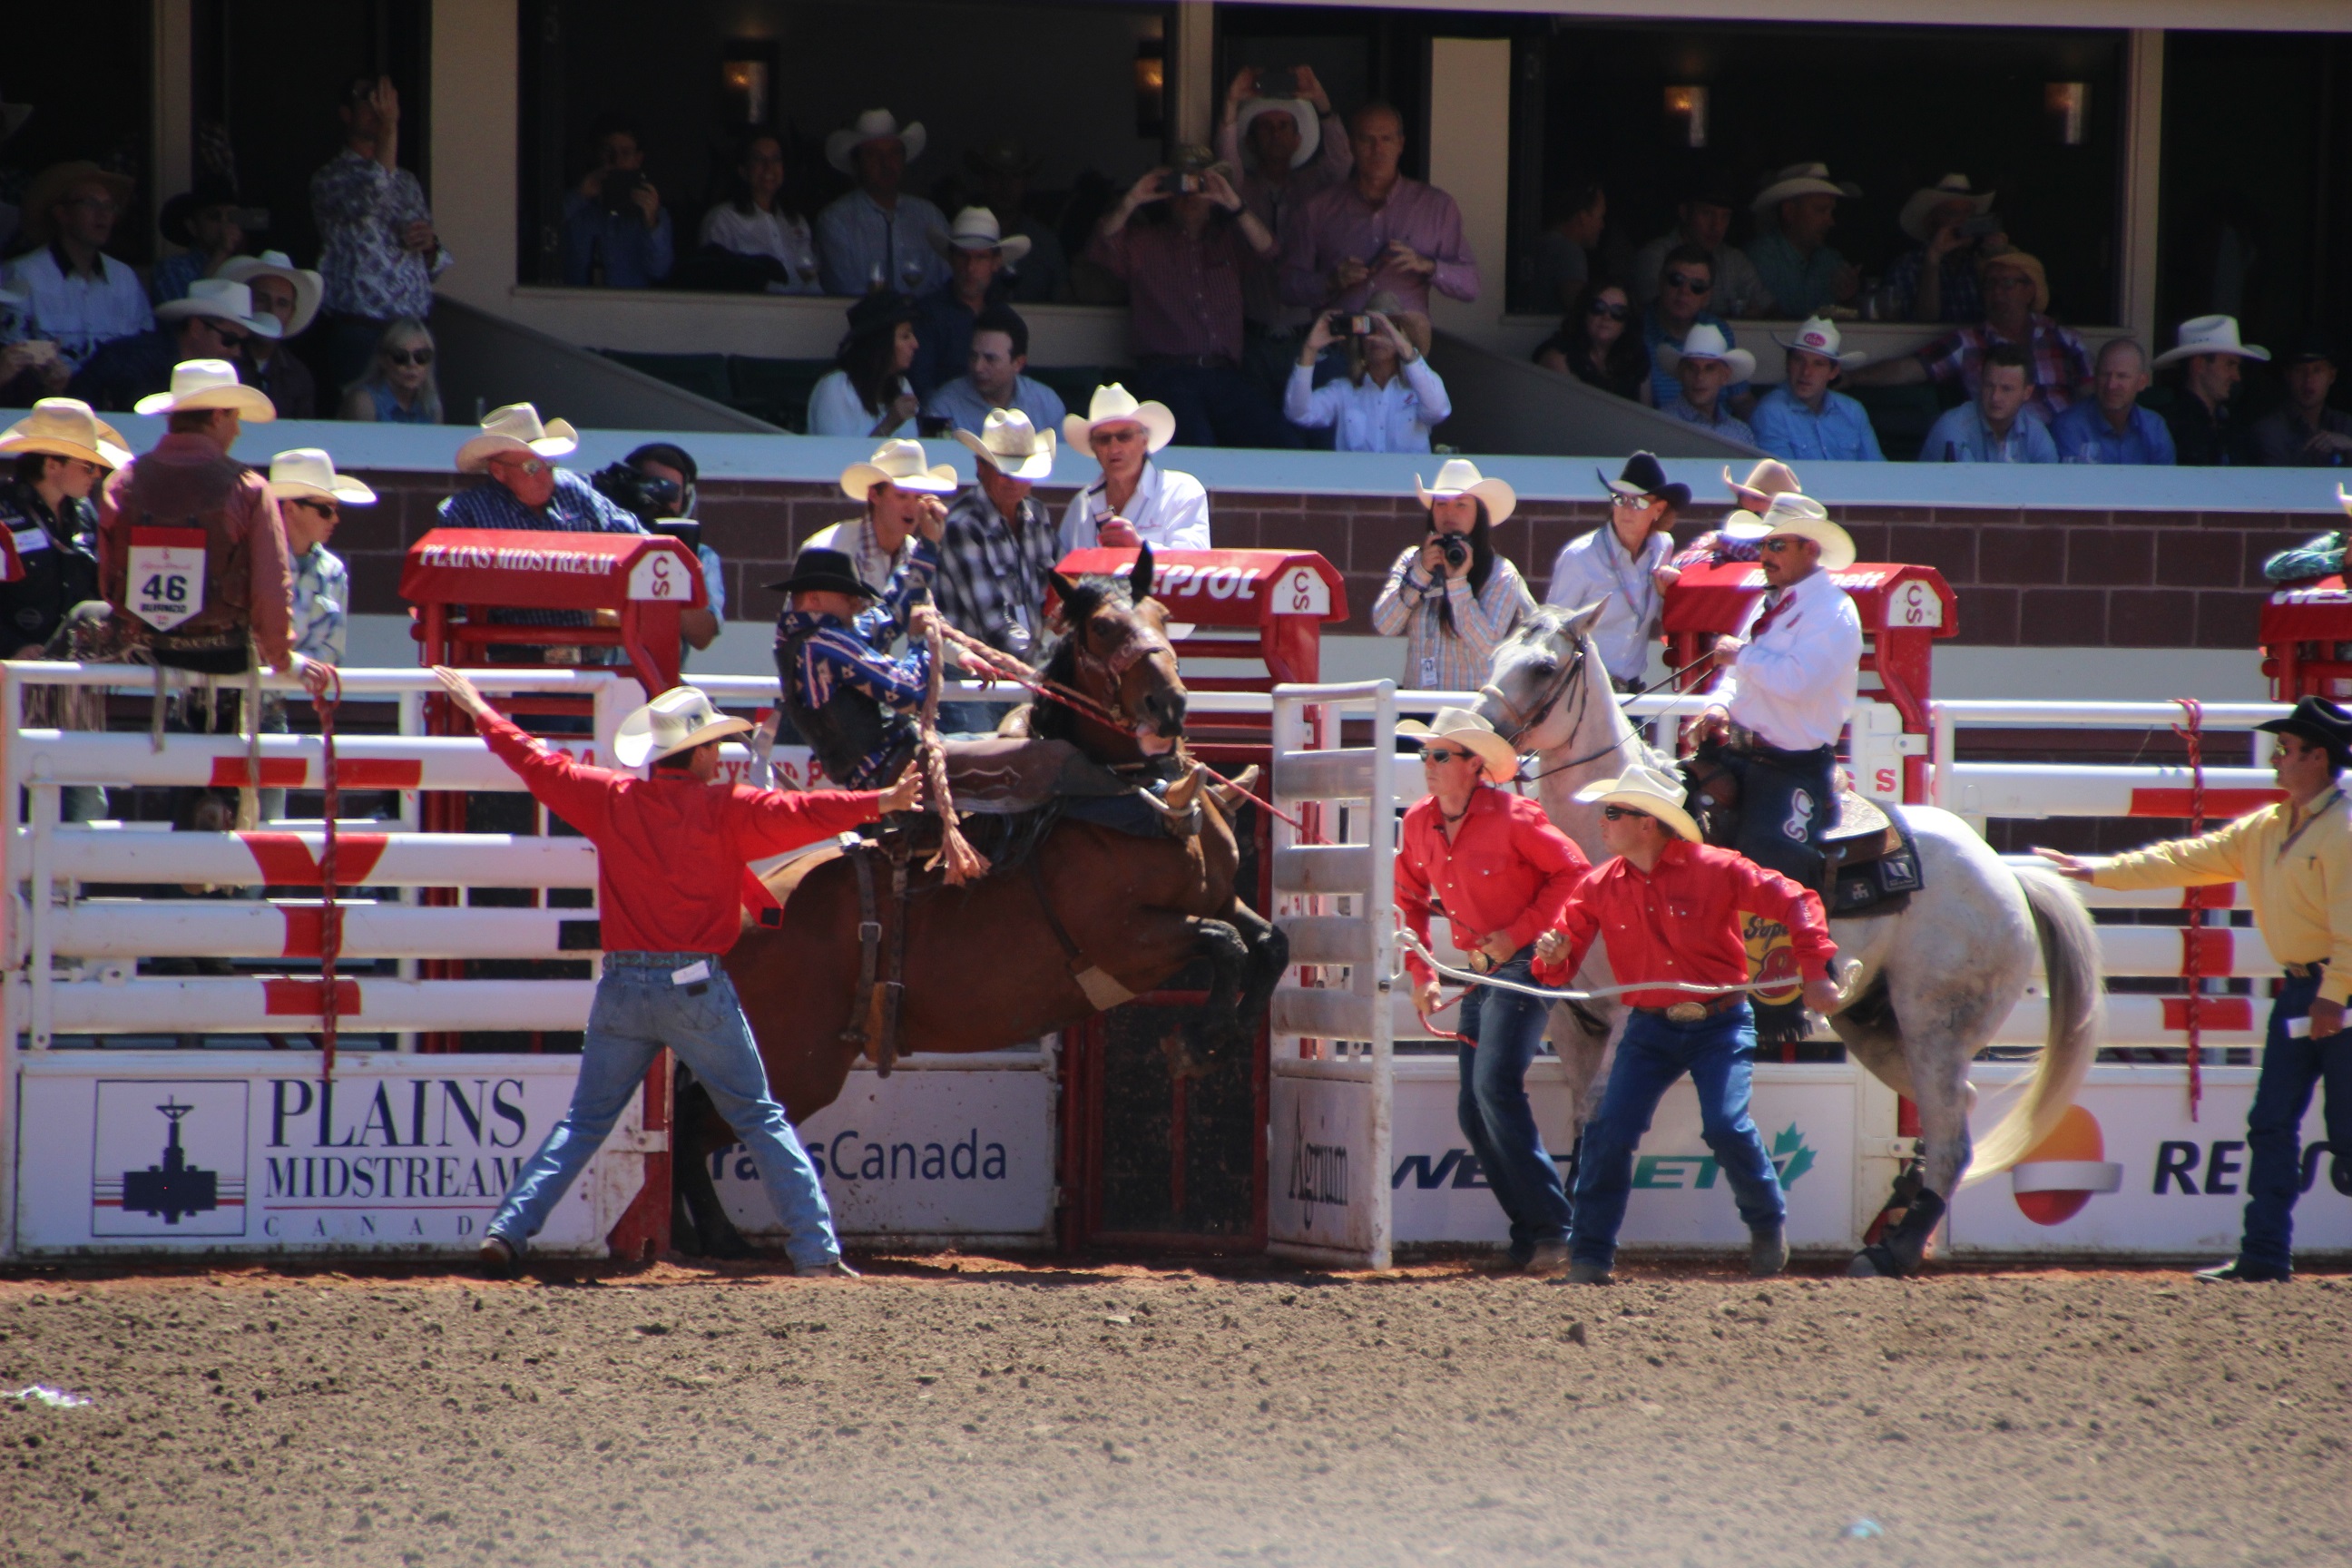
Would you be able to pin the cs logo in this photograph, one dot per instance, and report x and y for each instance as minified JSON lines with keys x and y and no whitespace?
{"x":2059,"y":1174}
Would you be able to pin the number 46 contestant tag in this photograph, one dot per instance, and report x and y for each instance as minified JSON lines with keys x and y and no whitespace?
{"x":166,"y":578}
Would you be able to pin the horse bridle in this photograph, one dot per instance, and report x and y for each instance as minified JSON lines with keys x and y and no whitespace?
{"x":1140,"y":643}
{"x":1569,"y":675}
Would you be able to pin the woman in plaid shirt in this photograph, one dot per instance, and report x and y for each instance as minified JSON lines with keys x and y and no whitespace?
{"x":1455,"y":608}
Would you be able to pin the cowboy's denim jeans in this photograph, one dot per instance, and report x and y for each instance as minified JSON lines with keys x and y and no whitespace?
{"x":1492,"y":1109}
{"x":638,"y":1011}
{"x":1785,"y":799}
{"x":1719,"y":1053}
{"x":2290,"y":1069}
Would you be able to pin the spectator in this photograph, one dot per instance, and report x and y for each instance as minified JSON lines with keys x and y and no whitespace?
{"x":1994,"y":428}
{"x":1563,"y":259}
{"x":1795,"y":214}
{"x":616,"y":233}
{"x":1704,"y":219}
{"x":1378,"y":231}
{"x":754,"y":222}
{"x":1452,"y":596}
{"x":1004,"y":167}
{"x":1136,"y":502}
{"x":211,"y":322}
{"x":526,"y":490}
{"x":997,"y":550}
{"x":2017,"y":302}
{"x":76,"y":296}
{"x":1183,"y":269}
{"x":2110,"y":426}
{"x":2208,"y":428}
{"x":61,"y":452}
{"x":310,"y":499}
{"x":2303,"y":431}
{"x":1000,"y":353}
{"x":875,"y":239}
{"x":1288,"y":148}
{"x":289,"y":295}
{"x":1623,"y":562}
{"x":898,"y":489}
{"x":378,"y":253}
{"x":1802,"y":418}
{"x":1599,"y":343}
{"x":1389,"y":400}
{"x":204,"y":224}
{"x":1937,"y":279}
{"x":1705,"y":368}
{"x":400,"y":388}
{"x":1737,"y":539}
{"x":977,"y":256}
{"x":1685,"y":285}
{"x":656,"y":485}
{"x":867,"y":393}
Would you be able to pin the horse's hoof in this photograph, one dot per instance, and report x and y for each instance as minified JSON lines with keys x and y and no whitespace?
{"x":1874,"y":1262}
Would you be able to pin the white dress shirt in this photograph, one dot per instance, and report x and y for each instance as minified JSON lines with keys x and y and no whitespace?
{"x":1794,"y":685}
{"x":78,"y":312}
{"x":834,"y":409}
{"x":1170,"y":511}
{"x":1596,"y":564}
{"x":782,"y":236}
{"x":1368,"y":417}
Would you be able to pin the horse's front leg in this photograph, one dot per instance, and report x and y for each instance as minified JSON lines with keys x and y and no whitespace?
{"x":1269,"y":956}
{"x":1220,"y":944}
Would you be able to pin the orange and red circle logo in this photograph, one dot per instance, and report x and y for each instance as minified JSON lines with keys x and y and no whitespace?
{"x":2062,"y":1172}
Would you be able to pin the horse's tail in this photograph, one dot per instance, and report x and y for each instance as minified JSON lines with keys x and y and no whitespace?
{"x":2070,"y":963}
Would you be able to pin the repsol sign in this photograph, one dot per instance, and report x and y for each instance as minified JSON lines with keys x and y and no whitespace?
{"x":2217,"y":1169}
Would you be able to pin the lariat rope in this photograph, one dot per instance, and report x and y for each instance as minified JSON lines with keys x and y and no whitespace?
{"x":326,"y":700}
{"x":2192,"y":942}
{"x":963,"y":863}
{"x":1412,"y":944}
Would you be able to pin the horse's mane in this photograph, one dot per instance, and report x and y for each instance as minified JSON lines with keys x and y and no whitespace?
{"x":1058,"y":660}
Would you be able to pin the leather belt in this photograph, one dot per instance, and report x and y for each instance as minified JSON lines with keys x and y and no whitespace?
{"x":1692,"y":1011}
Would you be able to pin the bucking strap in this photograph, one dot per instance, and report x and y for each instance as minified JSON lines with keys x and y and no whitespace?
{"x":869,"y":945}
{"x":1102,"y":988}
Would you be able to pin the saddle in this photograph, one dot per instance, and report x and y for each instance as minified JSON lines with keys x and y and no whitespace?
{"x":1870,"y":861}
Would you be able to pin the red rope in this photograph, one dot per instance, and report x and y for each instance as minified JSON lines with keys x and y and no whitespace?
{"x":327,"y":698}
{"x":2192,"y":945}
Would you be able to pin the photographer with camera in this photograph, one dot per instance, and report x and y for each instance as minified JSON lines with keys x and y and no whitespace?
{"x":617,"y":234}
{"x":1451,"y":597}
{"x":1390,"y":399}
{"x":656,"y":485}
{"x":1956,"y":228}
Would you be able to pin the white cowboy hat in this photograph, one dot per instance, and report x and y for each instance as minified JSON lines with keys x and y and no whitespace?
{"x":1705,"y":341}
{"x":308,"y":473}
{"x":677,"y":720}
{"x":1645,"y":790}
{"x":1801,"y":180}
{"x":1819,"y":335}
{"x":1460,"y":477}
{"x":900,"y":463}
{"x":1114,"y":405}
{"x":221,"y":300}
{"x":976,"y":228}
{"x":278,"y":264}
{"x":2199,"y":335}
{"x":1008,"y":443}
{"x":199,"y":384}
{"x":516,"y":427}
{"x":1302,"y":114}
{"x":1928,"y":198}
{"x":65,"y":428}
{"x":874,"y":125}
{"x":1805,"y":517}
{"x":1461,"y":724}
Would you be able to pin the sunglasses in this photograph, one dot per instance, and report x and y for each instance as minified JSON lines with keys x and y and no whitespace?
{"x":1440,"y":754}
{"x":408,"y":356}
{"x":529,"y":467}
{"x":1626,"y":501}
{"x":1688,"y":284}
{"x":1775,"y":546}
{"x":1603,"y":308}
{"x":231,"y":340}
{"x":326,"y":509}
{"x":1620,"y":813}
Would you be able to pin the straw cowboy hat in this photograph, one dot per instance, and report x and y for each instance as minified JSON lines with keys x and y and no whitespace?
{"x":2032,"y":267}
{"x":1928,"y":198}
{"x":308,"y":473}
{"x":52,"y":184}
{"x":1114,"y":405}
{"x":1801,"y":180}
{"x":976,"y":228}
{"x":1645,"y":790}
{"x":1460,"y":477}
{"x":1767,"y":479}
{"x":1802,"y":517}
{"x":1475,"y":733}
{"x":307,"y":284}
{"x":677,"y":720}
{"x":1820,"y":336}
{"x":2199,"y":335}
{"x":1705,"y":341}
{"x":1302,"y":114}
{"x":1008,"y":443}
{"x":65,"y":428}
{"x":874,"y":125}
{"x":201,"y":383}
{"x":818,"y":570}
{"x":221,"y":300}
{"x":900,"y":463}
{"x":1643,"y":475}
{"x":516,"y":427}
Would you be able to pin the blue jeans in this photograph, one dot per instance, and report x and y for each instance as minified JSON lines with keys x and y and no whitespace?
{"x":1494,"y":1111}
{"x":1719,"y":1053}
{"x":2290,"y":1069}
{"x":636,"y":1013}
{"x":1785,"y":801}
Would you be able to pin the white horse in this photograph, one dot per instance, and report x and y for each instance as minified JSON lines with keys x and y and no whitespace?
{"x":1936,"y":979}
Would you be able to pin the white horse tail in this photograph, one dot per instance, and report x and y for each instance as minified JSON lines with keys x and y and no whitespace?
{"x":2070,"y":963}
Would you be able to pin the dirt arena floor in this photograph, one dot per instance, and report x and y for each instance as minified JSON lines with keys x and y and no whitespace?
{"x":953,"y":1410}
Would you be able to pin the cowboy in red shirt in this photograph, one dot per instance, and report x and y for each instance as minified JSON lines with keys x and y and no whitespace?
{"x":671,"y":853}
{"x":1502,"y":874}
{"x":1671,"y":908}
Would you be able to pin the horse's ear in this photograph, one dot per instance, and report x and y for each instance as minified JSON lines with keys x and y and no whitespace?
{"x":1138,"y":581}
{"x":1581,"y":622}
{"x":1064,"y":589}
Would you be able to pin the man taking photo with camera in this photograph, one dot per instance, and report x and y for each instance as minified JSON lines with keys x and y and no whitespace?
{"x":616,"y":233}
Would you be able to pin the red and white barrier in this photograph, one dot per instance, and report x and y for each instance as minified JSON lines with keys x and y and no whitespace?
{"x":290,"y":859}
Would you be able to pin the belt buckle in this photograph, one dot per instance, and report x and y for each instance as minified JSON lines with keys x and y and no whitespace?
{"x":1687,"y":1012}
{"x":1479,"y":962}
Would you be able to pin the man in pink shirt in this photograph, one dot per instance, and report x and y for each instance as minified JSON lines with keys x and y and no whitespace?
{"x":1379,"y":232}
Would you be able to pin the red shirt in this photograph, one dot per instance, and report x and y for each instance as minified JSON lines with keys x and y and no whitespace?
{"x":1185,"y":295}
{"x":670,"y":849}
{"x":1681,"y":921}
{"x":1509,"y":871}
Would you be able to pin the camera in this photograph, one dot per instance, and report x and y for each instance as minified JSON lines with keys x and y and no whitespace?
{"x":1188,"y":184}
{"x":618,"y":186}
{"x":1454,"y":548}
{"x":1344,"y":325}
{"x":1981,"y":226}
{"x":633,"y":492}
{"x":1277,"y":82}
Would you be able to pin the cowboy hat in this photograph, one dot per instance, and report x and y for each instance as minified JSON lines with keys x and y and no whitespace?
{"x":875,"y":313}
{"x":1460,"y":477}
{"x":2207,"y":335}
{"x":307,"y":284}
{"x":221,"y":300}
{"x":976,"y":228}
{"x":51,"y":185}
{"x":1302,"y":114}
{"x":2030,"y":266}
{"x":1645,"y":790}
{"x":1705,"y":341}
{"x":900,"y":463}
{"x":1802,"y":517}
{"x":65,"y":428}
{"x":677,"y":720}
{"x":308,"y":473}
{"x":1643,"y":475}
{"x":1767,"y":479}
{"x":818,"y":570}
{"x":1924,"y":201}
{"x":1413,"y":324}
{"x":2321,"y":723}
{"x":1114,"y":405}
{"x":1008,"y":443}
{"x":1461,"y":724}
{"x":1005,"y":155}
{"x":1801,"y":180}
{"x":516,"y":427}
{"x":1819,"y":336}
{"x":201,"y":383}
{"x":874,"y":125}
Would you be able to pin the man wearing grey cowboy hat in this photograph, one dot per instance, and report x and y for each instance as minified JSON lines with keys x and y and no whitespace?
{"x":978,"y":253}
{"x":1802,"y":419}
{"x":671,"y":852}
{"x":998,"y":548}
{"x":291,"y":294}
{"x":1287,"y":148}
{"x":876,"y":237}
{"x":1793,"y":255}
{"x":211,"y":322}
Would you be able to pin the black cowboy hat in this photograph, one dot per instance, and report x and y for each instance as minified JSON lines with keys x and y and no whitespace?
{"x":1645,"y":476}
{"x":2321,"y":722}
{"x":827,"y":571}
